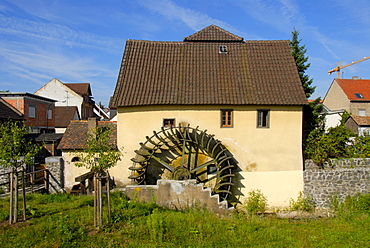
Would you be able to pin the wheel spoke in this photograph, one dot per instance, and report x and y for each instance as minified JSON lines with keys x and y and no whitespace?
{"x":202,"y":166}
{"x":167,"y":166}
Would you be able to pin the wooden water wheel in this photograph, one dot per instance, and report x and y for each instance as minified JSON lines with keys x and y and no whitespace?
{"x":182,"y":153}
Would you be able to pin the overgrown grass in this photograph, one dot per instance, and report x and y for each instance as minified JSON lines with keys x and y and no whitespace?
{"x":67,"y":221}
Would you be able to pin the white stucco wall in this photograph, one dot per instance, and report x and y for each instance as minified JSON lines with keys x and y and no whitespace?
{"x":58,"y":91}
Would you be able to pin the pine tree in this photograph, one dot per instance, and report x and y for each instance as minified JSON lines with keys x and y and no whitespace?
{"x":298,"y":53}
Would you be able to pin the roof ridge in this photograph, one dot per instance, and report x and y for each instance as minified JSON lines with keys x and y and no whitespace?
{"x":213,"y":33}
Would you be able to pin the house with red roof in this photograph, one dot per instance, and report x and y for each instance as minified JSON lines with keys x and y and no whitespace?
{"x":214,"y":108}
{"x":352,"y":95}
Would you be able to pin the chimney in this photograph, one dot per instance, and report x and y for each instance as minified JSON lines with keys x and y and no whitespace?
{"x":92,"y":124}
{"x":355,"y":77}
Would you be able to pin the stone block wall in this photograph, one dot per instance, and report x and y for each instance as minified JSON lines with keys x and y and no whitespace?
{"x":341,"y":177}
{"x":55,"y":165}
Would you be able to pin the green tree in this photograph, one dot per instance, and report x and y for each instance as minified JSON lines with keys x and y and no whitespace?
{"x":16,"y":151}
{"x":99,"y":155}
{"x":298,"y":52}
{"x":335,"y":143}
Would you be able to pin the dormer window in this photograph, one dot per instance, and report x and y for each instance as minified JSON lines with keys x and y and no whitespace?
{"x":223,"y":49}
{"x":358,"y":95}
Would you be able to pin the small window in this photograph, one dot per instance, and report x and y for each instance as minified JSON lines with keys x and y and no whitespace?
{"x":263,"y":118}
{"x":50,"y":114}
{"x":226,"y":118}
{"x":223,"y":49}
{"x":168,"y":122}
{"x":358,"y":95}
{"x":31,"y":111}
{"x":362,"y":112}
{"x":76,"y":159}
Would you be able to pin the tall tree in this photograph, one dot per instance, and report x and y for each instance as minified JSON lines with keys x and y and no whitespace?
{"x":298,"y":52}
{"x":99,"y":155}
{"x":16,"y":152}
{"x":313,"y":118}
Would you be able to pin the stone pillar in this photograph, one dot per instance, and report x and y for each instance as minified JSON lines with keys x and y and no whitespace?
{"x":55,"y":165}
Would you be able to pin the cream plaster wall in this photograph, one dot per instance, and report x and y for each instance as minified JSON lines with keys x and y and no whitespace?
{"x":70,"y":170}
{"x":281,"y":187}
{"x":336,"y":99}
{"x":262,"y":152}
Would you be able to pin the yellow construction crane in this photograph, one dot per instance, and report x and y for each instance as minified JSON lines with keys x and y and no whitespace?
{"x":339,"y":67}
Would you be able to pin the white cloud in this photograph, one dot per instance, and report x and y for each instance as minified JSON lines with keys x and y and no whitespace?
{"x":35,"y":63}
{"x":193,"y":19}
{"x":56,"y":33}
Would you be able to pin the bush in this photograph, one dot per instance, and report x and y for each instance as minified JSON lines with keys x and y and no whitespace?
{"x":304,"y":202}
{"x":356,"y":203}
{"x":256,"y":202}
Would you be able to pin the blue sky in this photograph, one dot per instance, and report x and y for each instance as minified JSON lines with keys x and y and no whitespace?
{"x":83,"y":41}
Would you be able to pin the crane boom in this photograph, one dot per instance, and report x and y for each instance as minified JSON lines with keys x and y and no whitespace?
{"x":339,"y":67}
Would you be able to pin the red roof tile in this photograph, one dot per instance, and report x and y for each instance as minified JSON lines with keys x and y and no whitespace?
{"x":361,"y":120}
{"x":187,"y":73}
{"x":75,"y":136}
{"x":80,"y":88}
{"x":63,"y":115}
{"x":355,"y":86}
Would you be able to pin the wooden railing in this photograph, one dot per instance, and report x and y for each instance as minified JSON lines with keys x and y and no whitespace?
{"x":34,"y":181}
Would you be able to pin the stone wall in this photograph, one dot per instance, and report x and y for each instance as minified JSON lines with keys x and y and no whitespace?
{"x":54,"y":164}
{"x":341,"y":177}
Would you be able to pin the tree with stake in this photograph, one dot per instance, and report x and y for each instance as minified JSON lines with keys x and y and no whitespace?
{"x":99,"y":155}
{"x":15,"y":152}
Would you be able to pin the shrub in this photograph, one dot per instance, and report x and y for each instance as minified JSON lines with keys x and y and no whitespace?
{"x":304,"y":202}
{"x":256,"y":202}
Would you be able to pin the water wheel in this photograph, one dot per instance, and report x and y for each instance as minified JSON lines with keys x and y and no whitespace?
{"x":182,"y":153}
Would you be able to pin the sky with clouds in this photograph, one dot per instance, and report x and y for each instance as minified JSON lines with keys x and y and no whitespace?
{"x":83,"y":41}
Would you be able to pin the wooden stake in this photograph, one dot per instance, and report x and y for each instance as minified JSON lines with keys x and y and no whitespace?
{"x":11,"y":197}
{"x":24,"y":195}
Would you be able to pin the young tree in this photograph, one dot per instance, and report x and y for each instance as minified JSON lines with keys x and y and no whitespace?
{"x":16,"y":152}
{"x":99,"y":155}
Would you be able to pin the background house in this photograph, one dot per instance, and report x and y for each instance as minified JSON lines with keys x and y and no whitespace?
{"x":352,"y":95}
{"x":38,"y":111}
{"x":8,"y":112}
{"x":63,"y":116}
{"x":74,"y":140}
{"x":70,"y":94}
{"x":246,"y":94}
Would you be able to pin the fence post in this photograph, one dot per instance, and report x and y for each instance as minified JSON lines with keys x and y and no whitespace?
{"x":46,"y":179}
{"x":31,"y":182}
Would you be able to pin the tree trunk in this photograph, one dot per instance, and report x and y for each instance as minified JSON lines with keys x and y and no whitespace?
{"x":15,"y":197}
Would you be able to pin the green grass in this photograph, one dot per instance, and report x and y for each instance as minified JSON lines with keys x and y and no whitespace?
{"x":64,"y":220}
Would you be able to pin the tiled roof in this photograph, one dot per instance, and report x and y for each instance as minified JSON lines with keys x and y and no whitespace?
{"x":75,"y":136}
{"x":80,"y":88}
{"x":49,"y":137}
{"x":351,"y":87}
{"x":7,"y":111}
{"x":213,"y":33}
{"x":361,"y":120}
{"x":63,"y":115}
{"x":187,"y":73}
